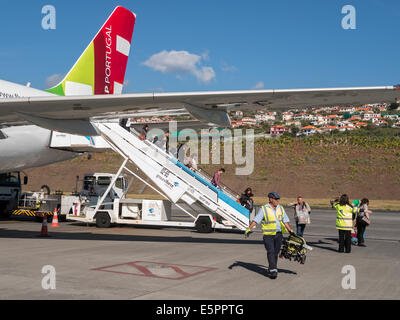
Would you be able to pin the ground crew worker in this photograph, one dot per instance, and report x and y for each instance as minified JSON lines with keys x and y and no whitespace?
{"x":344,"y":221}
{"x":274,"y":222}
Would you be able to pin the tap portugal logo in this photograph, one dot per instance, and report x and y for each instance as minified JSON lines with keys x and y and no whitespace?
{"x":108,"y":42}
{"x":101,"y":67}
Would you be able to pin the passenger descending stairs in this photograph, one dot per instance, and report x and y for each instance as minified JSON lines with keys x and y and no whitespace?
{"x":173,"y":178}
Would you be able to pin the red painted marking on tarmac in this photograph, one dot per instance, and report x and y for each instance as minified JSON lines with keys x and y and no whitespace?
{"x":146,"y":272}
{"x":178,"y":270}
{"x":140,"y":270}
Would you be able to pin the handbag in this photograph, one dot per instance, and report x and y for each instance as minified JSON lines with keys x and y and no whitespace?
{"x":365,"y":221}
{"x":303,"y":217}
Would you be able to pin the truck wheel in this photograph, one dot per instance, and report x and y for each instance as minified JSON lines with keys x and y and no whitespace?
{"x":203,"y":225}
{"x":103,"y":220}
{"x":4,"y":213}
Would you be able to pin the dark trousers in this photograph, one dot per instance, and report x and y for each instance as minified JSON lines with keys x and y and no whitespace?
{"x":273,"y":246}
{"x":360,"y":232}
{"x":300,"y":229}
{"x":345,"y":240}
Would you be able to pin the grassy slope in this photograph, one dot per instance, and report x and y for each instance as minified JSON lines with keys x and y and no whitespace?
{"x":314,"y":168}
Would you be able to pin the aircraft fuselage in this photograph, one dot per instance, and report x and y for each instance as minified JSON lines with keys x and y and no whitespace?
{"x":26,"y":146}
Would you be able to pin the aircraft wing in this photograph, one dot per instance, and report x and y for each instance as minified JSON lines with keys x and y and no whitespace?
{"x":210,"y":107}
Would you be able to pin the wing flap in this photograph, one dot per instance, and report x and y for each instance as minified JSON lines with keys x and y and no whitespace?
{"x":84,"y":107}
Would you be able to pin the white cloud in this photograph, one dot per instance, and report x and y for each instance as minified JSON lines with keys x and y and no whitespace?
{"x":53,"y":80}
{"x":181,"y":63}
{"x":227,"y":68}
{"x":259,"y":85}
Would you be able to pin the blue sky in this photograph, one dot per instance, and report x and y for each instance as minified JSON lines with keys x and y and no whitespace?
{"x":242,"y":44}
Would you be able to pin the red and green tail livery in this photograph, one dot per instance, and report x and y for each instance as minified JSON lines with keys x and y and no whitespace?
{"x":101,"y":67}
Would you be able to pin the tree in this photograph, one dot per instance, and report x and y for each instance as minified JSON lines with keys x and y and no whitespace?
{"x":266,"y":127}
{"x":294,"y":130}
{"x":305,"y":123}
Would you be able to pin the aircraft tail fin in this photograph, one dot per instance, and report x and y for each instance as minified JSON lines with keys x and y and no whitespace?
{"x":101,"y":67}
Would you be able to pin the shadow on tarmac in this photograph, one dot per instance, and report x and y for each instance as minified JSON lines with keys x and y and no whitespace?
{"x":318,"y":244}
{"x":257,"y":268}
{"x":18,"y":234}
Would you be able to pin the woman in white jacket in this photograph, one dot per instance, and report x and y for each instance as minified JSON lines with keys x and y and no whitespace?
{"x":302,"y":213}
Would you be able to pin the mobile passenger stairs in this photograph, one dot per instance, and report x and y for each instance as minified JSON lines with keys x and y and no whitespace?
{"x":175,"y":182}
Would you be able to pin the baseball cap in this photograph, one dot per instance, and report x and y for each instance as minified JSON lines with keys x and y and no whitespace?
{"x":274,"y":195}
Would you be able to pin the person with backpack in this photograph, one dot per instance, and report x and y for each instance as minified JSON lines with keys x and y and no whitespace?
{"x":363,"y":221}
{"x":302,"y":213}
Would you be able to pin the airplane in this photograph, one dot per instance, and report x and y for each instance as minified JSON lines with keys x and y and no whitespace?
{"x":92,"y":90}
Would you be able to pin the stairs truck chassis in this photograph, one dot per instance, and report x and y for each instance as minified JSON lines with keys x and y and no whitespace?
{"x":147,"y":212}
{"x":174,"y":182}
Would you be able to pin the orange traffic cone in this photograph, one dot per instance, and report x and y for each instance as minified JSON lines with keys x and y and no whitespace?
{"x":43,"y":232}
{"x":55,"y":219}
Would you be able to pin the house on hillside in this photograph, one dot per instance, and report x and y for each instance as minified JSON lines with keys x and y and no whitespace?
{"x":367,"y":116}
{"x":347,"y":109}
{"x":277,"y":130}
{"x":287,"y":116}
{"x":332,"y":118}
{"x":393,"y":117}
{"x":382,"y":108}
{"x":308,"y":130}
{"x":355,"y":117}
{"x":249,"y":121}
{"x":379,"y":122}
{"x":265,"y":117}
{"x":236,"y":124}
{"x":293,"y":123}
{"x":359,"y":124}
{"x":329,"y":128}
{"x":346,"y":128}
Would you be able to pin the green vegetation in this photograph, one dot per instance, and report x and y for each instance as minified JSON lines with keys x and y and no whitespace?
{"x":362,"y":163}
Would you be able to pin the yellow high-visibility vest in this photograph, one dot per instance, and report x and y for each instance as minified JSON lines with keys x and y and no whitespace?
{"x":344,"y":218}
{"x":268,"y":225}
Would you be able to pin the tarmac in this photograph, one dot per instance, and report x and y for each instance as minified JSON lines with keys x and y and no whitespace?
{"x":126,"y":262}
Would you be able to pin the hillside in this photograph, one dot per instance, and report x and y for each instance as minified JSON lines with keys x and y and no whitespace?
{"x":318,"y":167}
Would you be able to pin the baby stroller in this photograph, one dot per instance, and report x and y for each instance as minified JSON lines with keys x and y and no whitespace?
{"x":294,"y":247}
